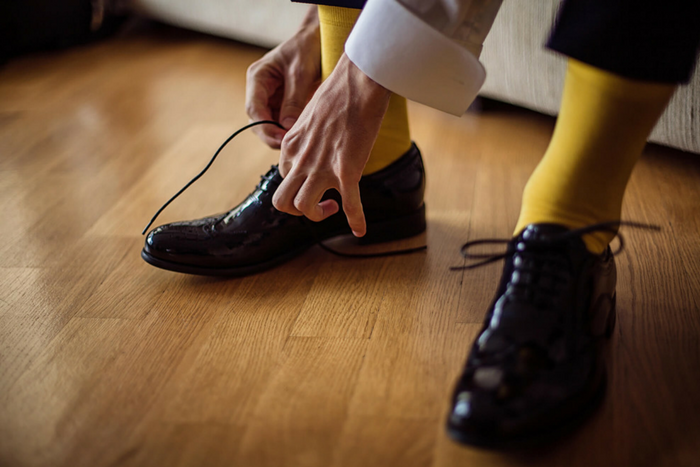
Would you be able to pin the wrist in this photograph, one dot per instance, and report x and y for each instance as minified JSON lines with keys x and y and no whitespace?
{"x":370,"y":88}
{"x":309,"y":34}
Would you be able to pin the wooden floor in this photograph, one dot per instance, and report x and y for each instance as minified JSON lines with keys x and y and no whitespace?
{"x":325,"y":361}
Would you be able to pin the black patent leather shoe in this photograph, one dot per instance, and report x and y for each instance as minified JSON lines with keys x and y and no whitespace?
{"x":254,"y":236}
{"x":535,"y":370}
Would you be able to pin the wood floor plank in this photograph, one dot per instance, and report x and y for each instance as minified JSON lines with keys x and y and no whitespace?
{"x":224,"y":380}
{"x":344,"y":300}
{"x":40,"y":408}
{"x":76,"y":391}
{"x":213,"y":445}
{"x":658,"y":322}
{"x":40,"y":302}
{"x":305,"y":404}
{"x":383,"y":441}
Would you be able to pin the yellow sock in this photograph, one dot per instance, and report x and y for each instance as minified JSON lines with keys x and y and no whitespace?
{"x":394,"y":138}
{"x":603,"y":125}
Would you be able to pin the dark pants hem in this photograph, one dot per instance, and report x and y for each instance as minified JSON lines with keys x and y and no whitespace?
{"x":357,"y":4}
{"x":637,"y":39}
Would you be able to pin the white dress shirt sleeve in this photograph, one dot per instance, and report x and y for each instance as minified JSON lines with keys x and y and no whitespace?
{"x":424,"y":50}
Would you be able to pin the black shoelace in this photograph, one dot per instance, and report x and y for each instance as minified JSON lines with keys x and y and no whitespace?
{"x":487,"y":258}
{"x":318,"y":241}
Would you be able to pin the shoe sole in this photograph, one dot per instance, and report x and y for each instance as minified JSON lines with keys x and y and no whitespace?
{"x":377,"y":232}
{"x":557,"y":431}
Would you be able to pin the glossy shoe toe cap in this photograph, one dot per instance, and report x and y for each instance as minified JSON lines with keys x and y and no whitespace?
{"x":170,"y":241}
{"x":494,"y":414}
{"x":485,"y":419}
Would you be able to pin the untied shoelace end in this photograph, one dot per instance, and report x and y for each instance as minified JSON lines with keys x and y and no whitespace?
{"x":199,"y":175}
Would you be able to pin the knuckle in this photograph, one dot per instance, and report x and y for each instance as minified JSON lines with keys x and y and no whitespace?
{"x":280,"y":204}
{"x":301,"y":204}
{"x":290,"y":142}
{"x":253,"y":70}
{"x":298,"y":72}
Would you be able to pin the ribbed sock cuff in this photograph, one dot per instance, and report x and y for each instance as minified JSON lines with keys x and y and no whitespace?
{"x":337,"y":16}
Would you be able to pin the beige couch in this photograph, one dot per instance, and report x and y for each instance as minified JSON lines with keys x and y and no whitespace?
{"x":520,"y":70}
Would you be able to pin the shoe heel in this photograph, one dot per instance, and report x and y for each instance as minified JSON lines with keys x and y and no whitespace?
{"x":395,"y":229}
{"x":612,"y":318}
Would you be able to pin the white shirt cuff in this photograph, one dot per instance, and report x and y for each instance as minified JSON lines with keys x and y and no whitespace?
{"x":410,"y":58}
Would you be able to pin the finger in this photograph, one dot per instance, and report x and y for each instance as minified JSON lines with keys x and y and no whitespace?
{"x":269,"y":134}
{"x":258,"y":108}
{"x":290,"y":151}
{"x":296,"y":94}
{"x":273,"y":142}
{"x":283,"y":199}
{"x":308,"y":200}
{"x":257,"y":99}
{"x":352,"y":206}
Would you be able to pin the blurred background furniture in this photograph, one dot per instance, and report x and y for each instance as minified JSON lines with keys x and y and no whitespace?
{"x":520,"y":69}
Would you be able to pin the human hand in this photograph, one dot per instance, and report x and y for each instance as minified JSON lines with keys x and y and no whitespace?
{"x":329,"y":146}
{"x":279,"y":85}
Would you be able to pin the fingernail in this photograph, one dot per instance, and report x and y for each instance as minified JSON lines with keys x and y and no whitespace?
{"x":288,"y":122}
